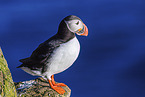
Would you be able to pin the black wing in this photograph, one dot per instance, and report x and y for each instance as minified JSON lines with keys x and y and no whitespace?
{"x":39,"y":57}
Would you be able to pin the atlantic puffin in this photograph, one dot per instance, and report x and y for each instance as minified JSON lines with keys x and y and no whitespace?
{"x":57,"y":53}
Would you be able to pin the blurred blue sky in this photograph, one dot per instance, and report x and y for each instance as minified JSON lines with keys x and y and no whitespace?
{"x":112,"y":58}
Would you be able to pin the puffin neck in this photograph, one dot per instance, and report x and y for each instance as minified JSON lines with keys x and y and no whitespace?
{"x":63,"y":32}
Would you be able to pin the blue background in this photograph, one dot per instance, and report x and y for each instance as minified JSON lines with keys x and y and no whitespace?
{"x":112,"y":58}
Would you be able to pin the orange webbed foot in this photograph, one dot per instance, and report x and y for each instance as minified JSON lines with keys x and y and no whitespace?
{"x":56,"y":84}
{"x":58,"y":89}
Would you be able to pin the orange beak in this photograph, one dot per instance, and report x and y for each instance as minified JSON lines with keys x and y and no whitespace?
{"x":85,"y":33}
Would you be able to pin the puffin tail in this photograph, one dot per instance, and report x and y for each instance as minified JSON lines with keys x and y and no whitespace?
{"x":25,"y":60}
{"x":22,"y":65}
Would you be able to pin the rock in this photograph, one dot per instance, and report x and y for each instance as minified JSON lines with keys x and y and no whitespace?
{"x":38,"y":88}
{"x":7,"y":87}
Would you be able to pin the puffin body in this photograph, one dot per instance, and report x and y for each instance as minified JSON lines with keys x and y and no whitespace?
{"x":57,"y":53}
{"x":59,"y":60}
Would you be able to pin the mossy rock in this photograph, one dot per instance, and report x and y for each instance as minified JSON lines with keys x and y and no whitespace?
{"x":7,"y":87}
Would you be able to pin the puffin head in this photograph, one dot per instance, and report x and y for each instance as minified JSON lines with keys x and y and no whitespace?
{"x":76,"y":25}
{"x":72,"y":25}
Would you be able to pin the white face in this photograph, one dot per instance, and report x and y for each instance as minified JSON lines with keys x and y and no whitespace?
{"x":74,"y":25}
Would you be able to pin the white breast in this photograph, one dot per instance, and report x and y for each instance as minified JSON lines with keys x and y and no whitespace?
{"x":63,"y":57}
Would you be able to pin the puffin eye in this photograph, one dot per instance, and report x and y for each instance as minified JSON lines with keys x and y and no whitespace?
{"x":77,"y":23}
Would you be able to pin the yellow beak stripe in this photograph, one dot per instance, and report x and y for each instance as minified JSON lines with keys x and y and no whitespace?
{"x":80,"y":29}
